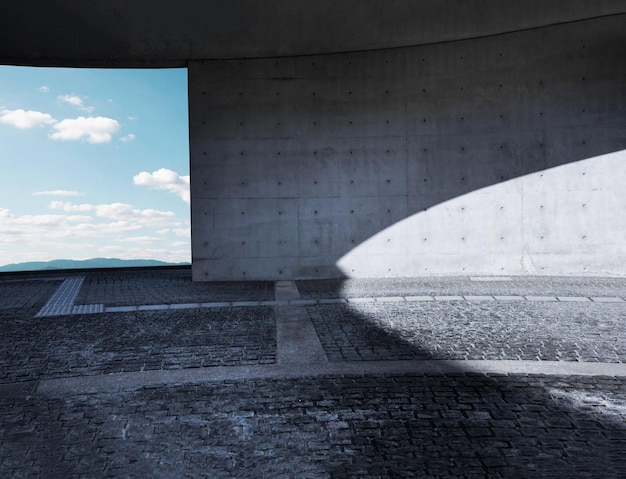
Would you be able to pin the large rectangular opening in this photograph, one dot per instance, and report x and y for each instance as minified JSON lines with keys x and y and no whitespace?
{"x":95,"y":167}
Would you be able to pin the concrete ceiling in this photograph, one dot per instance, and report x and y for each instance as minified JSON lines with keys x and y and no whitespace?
{"x":169,"y":33}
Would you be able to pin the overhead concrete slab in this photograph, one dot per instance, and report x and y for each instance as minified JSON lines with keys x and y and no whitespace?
{"x":169,"y":33}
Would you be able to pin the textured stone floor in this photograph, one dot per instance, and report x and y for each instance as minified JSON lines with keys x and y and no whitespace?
{"x":359,"y":378}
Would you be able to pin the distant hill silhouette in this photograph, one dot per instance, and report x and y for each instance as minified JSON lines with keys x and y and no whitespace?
{"x":85,"y":264}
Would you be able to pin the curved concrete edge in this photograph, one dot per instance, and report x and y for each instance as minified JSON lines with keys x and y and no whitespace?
{"x":136,"y":380}
{"x":119,"y":34}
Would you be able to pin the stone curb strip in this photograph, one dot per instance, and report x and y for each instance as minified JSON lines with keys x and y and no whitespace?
{"x":141,"y":379}
{"x":66,"y":309}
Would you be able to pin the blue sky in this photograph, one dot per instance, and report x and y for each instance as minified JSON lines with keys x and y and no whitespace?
{"x":94,"y":163}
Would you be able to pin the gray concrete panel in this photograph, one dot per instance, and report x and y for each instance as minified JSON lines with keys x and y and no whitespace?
{"x":248,"y":108}
{"x":350,"y":107}
{"x":349,"y":167}
{"x":229,"y":232}
{"x":244,"y":269}
{"x":238,"y":168}
{"x":333,"y":225}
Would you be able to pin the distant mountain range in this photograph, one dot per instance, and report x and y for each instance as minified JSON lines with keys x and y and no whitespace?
{"x":85,"y":264}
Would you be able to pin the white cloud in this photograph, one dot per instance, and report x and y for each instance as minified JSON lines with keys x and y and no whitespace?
{"x":128,"y":138}
{"x":68,"y":206}
{"x":186,"y":232}
{"x":50,"y":220}
{"x":44,"y":89}
{"x":88,"y":231}
{"x":140,"y":239}
{"x":76,"y":101}
{"x":165,"y":179}
{"x":58,"y":193}
{"x":178,"y":244}
{"x":120,"y":212}
{"x":97,"y":129}
{"x":71,"y":99}
{"x":25,"y":119}
{"x":100,"y":230}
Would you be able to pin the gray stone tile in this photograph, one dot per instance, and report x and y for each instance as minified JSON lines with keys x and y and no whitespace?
{"x":504,"y":330}
{"x":541,"y":298}
{"x":119,"y":341}
{"x":479,"y":298}
{"x":458,"y":425}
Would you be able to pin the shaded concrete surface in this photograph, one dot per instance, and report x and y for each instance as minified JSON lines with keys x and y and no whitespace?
{"x":432,"y":388}
{"x":168,"y":33}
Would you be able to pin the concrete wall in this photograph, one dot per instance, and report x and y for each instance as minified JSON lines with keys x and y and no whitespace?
{"x":499,"y":155}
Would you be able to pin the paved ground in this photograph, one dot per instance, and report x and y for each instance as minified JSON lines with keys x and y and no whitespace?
{"x":439,"y":377}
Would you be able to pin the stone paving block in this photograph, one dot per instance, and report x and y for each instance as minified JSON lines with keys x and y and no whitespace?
{"x":390,"y":299}
{"x":479,"y":298}
{"x":119,"y":309}
{"x":448,"y":298}
{"x":62,"y":301}
{"x":301,"y":302}
{"x":174,"y":286}
{"x":275,"y":303}
{"x":578,"y":299}
{"x":217,"y":304}
{"x":509,"y":298}
{"x":445,"y":286}
{"x":605,"y":299}
{"x":491,"y":279}
{"x":453,"y":425}
{"x":332,"y":301}
{"x":88,"y":309}
{"x":541,"y":298}
{"x":153,"y":307}
{"x":184,"y":306}
{"x":419,"y":298}
{"x":26,"y":295}
{"x":472,"y":330}
{"x":135,"y":340}
{"x":246,"y":303}
{"x":299,"y":428}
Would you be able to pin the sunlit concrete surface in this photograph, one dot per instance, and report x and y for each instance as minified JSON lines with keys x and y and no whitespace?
{"x":400,"y":377}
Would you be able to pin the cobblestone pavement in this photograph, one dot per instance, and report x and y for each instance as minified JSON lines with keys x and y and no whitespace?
{"x":26,"y":295}
{"x":501,"y":286}
{"x":225,"y":392}
{"x":461,"y":426}
{"x":549,"y":331}
{"x":65,"y":346}
{"x":165,"y":287}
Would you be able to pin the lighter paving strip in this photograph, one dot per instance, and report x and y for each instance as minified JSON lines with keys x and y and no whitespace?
{"x":137,"y":380}
{"x":62,"y":301}
{"x":296,"y":338}
{"x":69,"y":308}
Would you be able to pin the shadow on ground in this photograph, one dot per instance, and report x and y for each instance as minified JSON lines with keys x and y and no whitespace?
{"x":460,"y":424}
